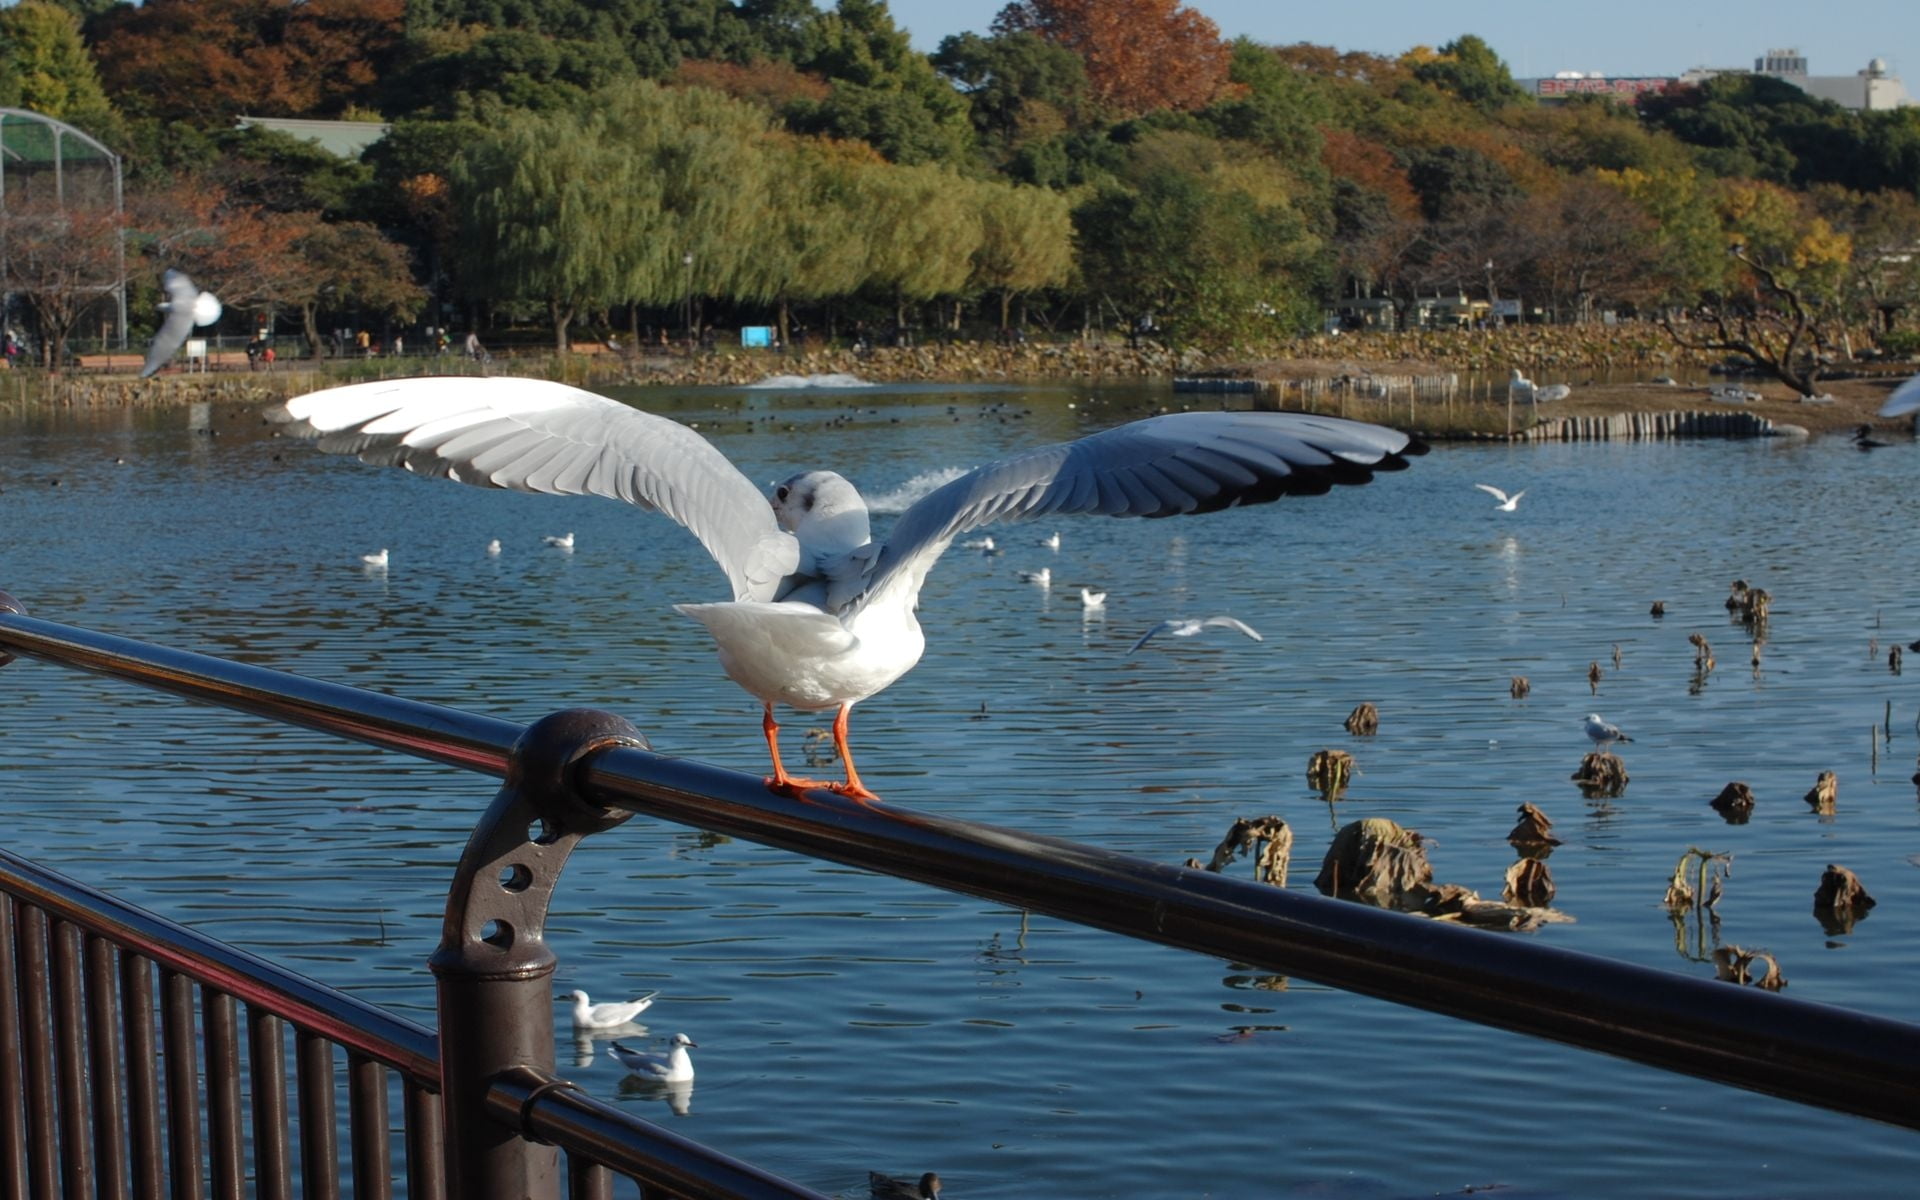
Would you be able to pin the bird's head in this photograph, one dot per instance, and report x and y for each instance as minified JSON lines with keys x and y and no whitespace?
{"x":823,"y":510}
{"x":681,"y":1039}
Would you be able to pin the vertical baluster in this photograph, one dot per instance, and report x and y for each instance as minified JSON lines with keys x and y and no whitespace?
{"x":143,"y":1086}
{"x":319,"y":1145}
{"x":13,"y":1117}
{"x":226,"y":1144}
{"x":36,"y":1063}
{"x":426,"y":1176}
{"x":69,"y":1062}
{"x":183,"y":1085}
{"x":267,"y":1065}
{"x":367,"y":1109}
{"x":103,"y":1069}
{"x":588,"y":1180}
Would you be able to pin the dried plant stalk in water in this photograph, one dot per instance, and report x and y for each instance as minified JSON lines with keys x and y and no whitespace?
{"x":1735,"y":802}
{"x":1702,"y":652}
{"x":1840,"y":889}
{"x":1329,"y":772}
{"x":1825,"y":793}
{"x":1519,"y":688}
{"x":1736,"y":964}
{"x":1364,"y":720}
{"x":1593,"y":677}
{"x":1529,"y":882}
{"x":1533,"y":829}
{"x":1699,"y":887}
{"x":1267,"y":839}
{"x":1601,"y":773}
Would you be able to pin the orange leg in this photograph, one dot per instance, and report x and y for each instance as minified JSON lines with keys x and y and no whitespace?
{"x":781,"y":781}
{"x":852,"y":787}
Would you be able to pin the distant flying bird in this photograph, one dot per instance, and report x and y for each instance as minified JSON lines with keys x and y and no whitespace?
{"x":1604,"y":733}
{"x":1507,"y":503}
{"x":1905,"y":399}
{"x":560,"y":541}
{"x":1186,"y":627}
{"x":186,"y":306}
{"x":377,"y":559}
{"x":673,"y":1067}
{"x":886,"y":1187}
{"x":588,"y":1015}
{"x":818,"y":614}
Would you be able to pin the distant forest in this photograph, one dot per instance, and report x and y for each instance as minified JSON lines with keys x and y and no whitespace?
{"x":616,"y":165}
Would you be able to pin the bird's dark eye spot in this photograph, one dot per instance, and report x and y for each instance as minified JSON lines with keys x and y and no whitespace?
{"x":810,"y":497}
{"x":780,"y":493}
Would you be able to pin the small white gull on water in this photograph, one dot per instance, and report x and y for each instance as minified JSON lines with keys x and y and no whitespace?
{"x":588,"y":1015}
{"x":1186,"y":627}
{"x":493,"y":548}
{"x":377,"y":559}
{"x":186,"y":306}
{"x":820,"y":615}
{"x":1041,"y":578}
{"x":1604,"y":733}
{"x":1092,"y":600}
{"x":1053,"y":542}
{"x":673,"y":1067}
{"x":1507,"y":503}
{"x":559,"y":541}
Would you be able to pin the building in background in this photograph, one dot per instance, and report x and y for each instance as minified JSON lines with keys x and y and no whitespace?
{"x":1873,"y":89}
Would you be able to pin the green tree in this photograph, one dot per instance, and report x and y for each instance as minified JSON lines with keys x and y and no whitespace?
{"x":347,"y":267}
{"x":1467,"y":68}
{"x":1019,"y":87}
{"x":45,"y":67}
{"x":1026,"y":241}
{"x":814,"y":241}
{"x":884,"y":92}
{"x":924,"y":229}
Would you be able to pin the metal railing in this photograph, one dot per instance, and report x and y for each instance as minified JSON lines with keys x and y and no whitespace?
{"x":485,"y":1115}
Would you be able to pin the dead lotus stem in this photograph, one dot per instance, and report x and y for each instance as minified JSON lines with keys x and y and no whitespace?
{"x":1267,"y":839}
{"x":1825,"y":793}
{"x":1519,"y":687}
{"x":1735,"y":964}
{"x":1329,"y":772}
{"x":1364,"y":720}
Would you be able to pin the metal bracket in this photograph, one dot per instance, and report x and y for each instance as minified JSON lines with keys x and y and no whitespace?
{"x":9,"y":604}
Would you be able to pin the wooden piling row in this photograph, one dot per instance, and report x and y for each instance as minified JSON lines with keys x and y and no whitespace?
{"x":1634,"y":427}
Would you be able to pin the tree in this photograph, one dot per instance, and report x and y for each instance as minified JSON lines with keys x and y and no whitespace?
{"x":62,"y":261}
{"x":1468,"y":69}
{"x":884,"y":92}
{"x":1026,"y":241}
{"x":813,"y":243}
{"x":1019,"y":87}
{"x":344,"y":267}
{"x":1883,"y":276}
{"x":1140,"y":55}
{"x":923,"y":230}
{"x":1583,"y":242}
{"x":45,"y":67}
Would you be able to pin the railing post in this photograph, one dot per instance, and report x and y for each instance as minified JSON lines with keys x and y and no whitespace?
{"x":493,"y":967}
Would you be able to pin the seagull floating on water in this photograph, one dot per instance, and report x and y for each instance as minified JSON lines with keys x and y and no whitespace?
{"x":377,"y":559}
{"x":673,"y":1067}
{"x":820,"y":615}
{"x":1051,"y":543}
{"x":1604,"y":733}
{"x":1092,"y":600}
{"x":1507,"y":503}
{"x":1186,"y":627}
{"x":1042,"y":578}
{"x":560,"y":541}
{"x":493,"y":548}
{"x":588,"y":1015}
{"x":186,"y":306}
{"x":985,"y":543}
{"x":886,"y":1187}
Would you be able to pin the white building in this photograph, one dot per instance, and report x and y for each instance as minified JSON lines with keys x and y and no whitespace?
{"x":1873,"y":89}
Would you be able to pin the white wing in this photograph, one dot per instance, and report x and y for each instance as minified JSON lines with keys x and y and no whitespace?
{"x":1150,"y":634}
{"x":1490,"y":490}
{"x":534,"y":436}
{"x":1234,"y":623}
{"x":1159,"y":467}
{"x":176,"y":325}
{"x":1905,"y":399}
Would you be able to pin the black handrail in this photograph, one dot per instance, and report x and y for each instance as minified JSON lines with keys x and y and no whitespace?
{"x":1813,"y":1053}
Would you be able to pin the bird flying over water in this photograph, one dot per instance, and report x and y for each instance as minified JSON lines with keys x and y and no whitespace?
{"x":1186,"y":627}
{"x":821,"y":615}
{"x":1507,"y":503}
{"x":186,"y":306}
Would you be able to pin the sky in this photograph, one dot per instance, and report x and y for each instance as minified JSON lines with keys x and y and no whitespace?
{"x":1540,"y":37}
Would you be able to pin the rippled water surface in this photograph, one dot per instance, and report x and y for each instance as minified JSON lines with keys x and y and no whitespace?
{"x":849,"y":1022}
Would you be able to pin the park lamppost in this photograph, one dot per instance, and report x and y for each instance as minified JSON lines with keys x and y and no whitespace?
{"x":1493,"y":300}
{"x":686,"y":298}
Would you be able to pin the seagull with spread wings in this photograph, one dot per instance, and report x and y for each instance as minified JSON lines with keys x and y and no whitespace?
{"x":821,"y":615}
{"x":1507,"y":503}
{"x":186,"y":306}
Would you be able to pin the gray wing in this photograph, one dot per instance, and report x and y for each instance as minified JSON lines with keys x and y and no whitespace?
{"x":176,"y":325}
{"x":1160,"y":467}
{"x":1233,"y":623}
{"x":531,"y":435}
{"x":1905,"y":399}
{"x":1150,"y":634}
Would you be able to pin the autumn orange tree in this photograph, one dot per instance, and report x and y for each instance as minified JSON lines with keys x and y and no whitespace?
{"x":1141,"y":55}
{"x":62,"y":262}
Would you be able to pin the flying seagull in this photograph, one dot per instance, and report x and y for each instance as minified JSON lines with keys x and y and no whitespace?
{"x":1905,"y":399}
{"x":1185,"y":627}
{"x":186,"y":306}
{"x":674,"y":1067}
{"x":821,"y":615}
{"x":1507,"y":503}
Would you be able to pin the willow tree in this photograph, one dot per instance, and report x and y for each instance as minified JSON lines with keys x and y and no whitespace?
{"x":548,"y":209}
{"x":1026,"y":241}
{"x":924,"y":226}
{"x":813,"y":243}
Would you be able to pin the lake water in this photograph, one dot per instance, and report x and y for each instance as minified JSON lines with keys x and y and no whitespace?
{"x":849,"y":1022}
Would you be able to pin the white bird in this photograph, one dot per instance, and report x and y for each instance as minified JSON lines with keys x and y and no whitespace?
{"x":493,"y":548}
{"x":886,"y":1187}
{"x":673,"y":1067}
{"x":588,"y":1015}
{"x":1604,"y":733}
{"x":1905,"y":399}
{"x":376,"y":559}
{"x":819,"y":614}
{"x":1186,"y":627}
{"x":1091,"y":600}
{"x":1053,"y":542}
{"x":561,"y":541}
{"x":1507,"y":503}
{"x":1041,"y":578}
{"x":1552,"y":392}
{"x":186,"y":306}
{"x":1520,"y":389}
{"x":983,"y":543}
